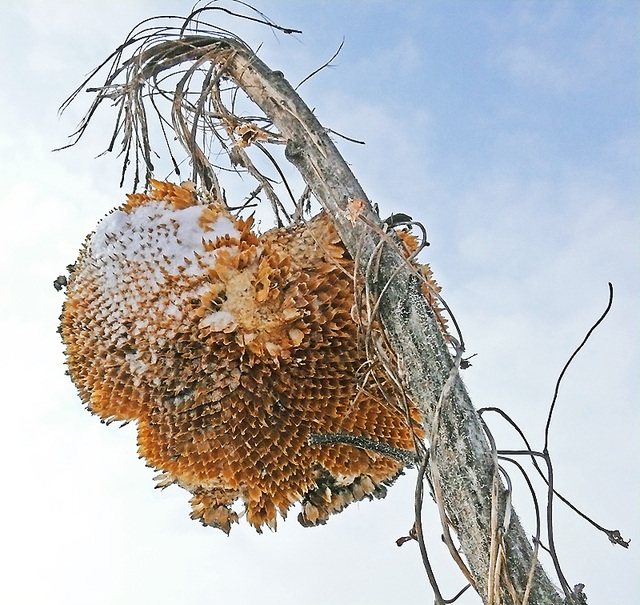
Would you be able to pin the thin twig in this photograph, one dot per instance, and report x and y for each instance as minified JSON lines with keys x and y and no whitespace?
{"x":264,"y":20}
{"x":536,"y":539}
{"x":613,"y":534}
{"x":325,"y":65}
{"x":418,"y":529}
{"x":405,"y":456}
{"x":345,"y":137}
{"x":566,"y":366}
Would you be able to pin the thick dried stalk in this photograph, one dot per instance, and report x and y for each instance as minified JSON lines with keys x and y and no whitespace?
{"x":462,"y":458}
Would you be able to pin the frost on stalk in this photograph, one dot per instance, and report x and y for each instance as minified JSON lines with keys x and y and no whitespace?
{"x":230,"y":349}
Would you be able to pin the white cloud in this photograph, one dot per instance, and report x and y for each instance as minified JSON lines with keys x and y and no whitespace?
{"x":566,"y":47}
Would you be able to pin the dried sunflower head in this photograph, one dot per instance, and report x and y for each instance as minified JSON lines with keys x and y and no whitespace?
{"x":229,"y":350}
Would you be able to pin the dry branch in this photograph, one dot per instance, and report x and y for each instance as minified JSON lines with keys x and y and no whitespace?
{"x":461,"y":459}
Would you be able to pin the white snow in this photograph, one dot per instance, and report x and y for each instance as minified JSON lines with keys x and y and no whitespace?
{"x":154,"y":231}
{"x":136,"y":365}
{"x":218,"y":320}
{"x":146,"y":241}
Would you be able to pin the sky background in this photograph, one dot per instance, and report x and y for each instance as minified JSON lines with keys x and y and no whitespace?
{"x":510,"y":129}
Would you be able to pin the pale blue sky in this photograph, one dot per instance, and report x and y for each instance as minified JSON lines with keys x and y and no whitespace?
{"x":510,"y":129}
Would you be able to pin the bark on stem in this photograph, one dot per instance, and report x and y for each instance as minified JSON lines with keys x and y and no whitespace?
{"x":462,"y":465}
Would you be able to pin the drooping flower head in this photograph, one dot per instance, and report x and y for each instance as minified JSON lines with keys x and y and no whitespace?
{"x":229,"y":350}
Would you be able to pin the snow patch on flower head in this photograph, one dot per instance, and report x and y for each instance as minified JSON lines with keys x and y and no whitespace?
{"x":156,"y":232}
{"x":137,"y":250}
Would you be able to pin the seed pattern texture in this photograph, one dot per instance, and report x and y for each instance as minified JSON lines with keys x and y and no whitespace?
{"x":229,"y":349}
